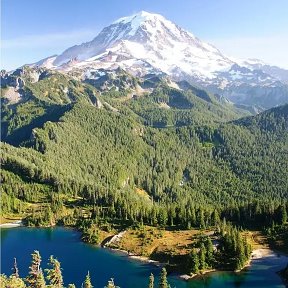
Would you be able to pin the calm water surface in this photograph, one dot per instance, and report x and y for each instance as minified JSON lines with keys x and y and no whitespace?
{"x":77,"y":258}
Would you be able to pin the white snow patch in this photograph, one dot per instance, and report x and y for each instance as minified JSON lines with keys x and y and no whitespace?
{"x":165,"y":46}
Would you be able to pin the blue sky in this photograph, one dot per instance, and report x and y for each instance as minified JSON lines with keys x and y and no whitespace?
{"x":34,"y":29}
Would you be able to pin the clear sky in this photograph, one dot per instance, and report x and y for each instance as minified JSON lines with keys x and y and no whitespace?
{"x":34,"y":29}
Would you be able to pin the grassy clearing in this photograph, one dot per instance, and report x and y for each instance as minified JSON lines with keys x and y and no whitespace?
{"x":256,"y":239}
{"x":150,"y":240}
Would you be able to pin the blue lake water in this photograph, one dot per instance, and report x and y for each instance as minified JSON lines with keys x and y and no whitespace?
{"x":77,"y":258}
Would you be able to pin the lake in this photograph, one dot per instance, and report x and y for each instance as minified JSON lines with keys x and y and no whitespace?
{"x":77,"y":258}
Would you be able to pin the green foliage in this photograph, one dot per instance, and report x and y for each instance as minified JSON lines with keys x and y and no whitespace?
{"x":231,"y":251}
{"x":151,"y":281}
{"x":209,"y":257}
{"x":194,"y":262}
{"x":54,"y":274}
{"x":90,"y":234}
{"x":234,"y":250}
{"x":111,"y":284}
{"x":193,"y":167}
{"x":15,"y":269}
{"x":282,"y":214}
{"x":11,"y":282}
{"x":173,"y":166}
{"x":278,"y":236}
{"x":36,"y":277}
{"x":163,"y":283}
{"x":202,"y":256}
{"x":87,"y":281}
{"x":42,"y":101}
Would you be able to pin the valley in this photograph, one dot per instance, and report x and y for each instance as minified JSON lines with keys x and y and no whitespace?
{"x":184,"y":157}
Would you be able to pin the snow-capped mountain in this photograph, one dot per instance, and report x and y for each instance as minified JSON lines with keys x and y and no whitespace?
{"x":146,"y":43}
{"x":256,"y":64}
{"x":152,"y":39}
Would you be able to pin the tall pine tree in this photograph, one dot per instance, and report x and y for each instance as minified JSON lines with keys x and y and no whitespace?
{"x":194,"y":259}
{"x":202,"y":256}
{"x":35,"y":278}
{"x":15,"y":269}
{"x":54,"y":274}
{"x":163,"y":279}
{"x":87,"y":283}
{"x":151,"y":281}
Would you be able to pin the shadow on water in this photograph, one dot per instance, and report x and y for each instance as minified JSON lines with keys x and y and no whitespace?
{"x":4,"y":233}
{"x":49,"y":234}
{"x":238,"y":281}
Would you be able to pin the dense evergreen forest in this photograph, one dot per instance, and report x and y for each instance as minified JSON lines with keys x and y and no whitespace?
{"x":145,"y":153}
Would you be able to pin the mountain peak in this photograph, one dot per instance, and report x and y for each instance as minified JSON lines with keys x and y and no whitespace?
{"x":139,"y":17}
{"x":152,"y":39}
{"x":147,"y":43}
{"x":145,"y":23}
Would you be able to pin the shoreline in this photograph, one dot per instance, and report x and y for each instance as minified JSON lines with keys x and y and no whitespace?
{"x":187,"y":277}
{"x":256,"y":254}
{"x":135,"y":257}
{"x":116,"y":238}
{"x":259,"y":253}
{"x":14,"y":224}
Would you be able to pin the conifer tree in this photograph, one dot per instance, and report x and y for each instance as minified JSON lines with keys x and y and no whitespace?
{"x":87,"y":283}
{"x":151,"y":281}
{"x":201,"y":221}
{"x":35,"y":278}
{"x":163,"y":279}
{"x":215,"y":218}
{"x":111,"y":284}
{"x":15,"y":269}
{"x":40,"y":283}
{"x":194,"y":262}
{"x":240,"y":250}
{"x":283,"y":215}
{"x":209,"y":252}
{"x":54,"y":274}
{"x":202,"y":256}
{"x":247,"y":248}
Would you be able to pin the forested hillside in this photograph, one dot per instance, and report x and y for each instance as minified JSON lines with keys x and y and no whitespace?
{"x":183,"y":149}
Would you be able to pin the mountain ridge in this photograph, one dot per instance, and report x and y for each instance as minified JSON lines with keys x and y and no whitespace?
{"x":147,"y":43}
